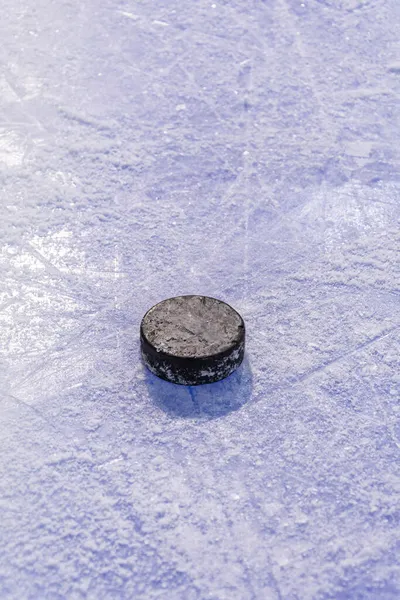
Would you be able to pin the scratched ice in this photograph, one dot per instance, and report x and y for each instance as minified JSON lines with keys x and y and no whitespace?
{"x":243,"y":150}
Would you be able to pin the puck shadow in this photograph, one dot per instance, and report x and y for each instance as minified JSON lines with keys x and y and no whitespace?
{"x":207,"y":401}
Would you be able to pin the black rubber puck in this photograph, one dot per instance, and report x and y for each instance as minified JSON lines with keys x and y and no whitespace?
{"x":192,"y":340}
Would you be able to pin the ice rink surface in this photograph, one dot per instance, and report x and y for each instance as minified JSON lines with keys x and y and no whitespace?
{"x":240,"y":149}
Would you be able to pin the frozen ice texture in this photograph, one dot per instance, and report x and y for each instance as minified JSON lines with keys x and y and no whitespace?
{"x":243,"y":150}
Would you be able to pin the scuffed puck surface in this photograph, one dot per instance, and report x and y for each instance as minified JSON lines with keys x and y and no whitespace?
{"x":192,"y":340}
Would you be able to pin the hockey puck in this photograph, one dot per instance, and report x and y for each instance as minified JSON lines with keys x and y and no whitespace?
{"x":192,"y":340}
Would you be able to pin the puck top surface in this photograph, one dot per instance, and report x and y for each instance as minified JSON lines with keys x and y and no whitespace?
{"x":192,"y":327}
